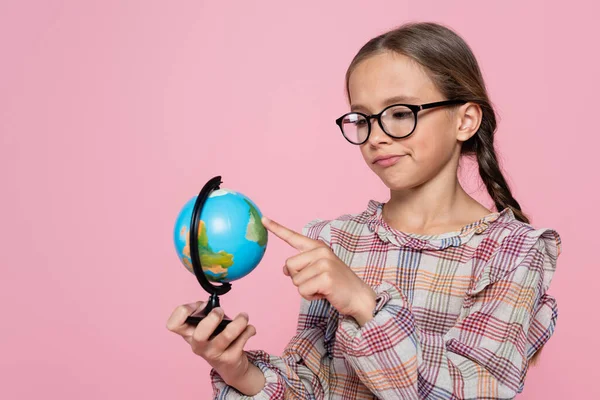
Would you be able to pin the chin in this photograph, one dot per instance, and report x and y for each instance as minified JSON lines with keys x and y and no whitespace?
{"x":397,"y":183}
{"x":400,"y":181}
{"x":398,"y":187}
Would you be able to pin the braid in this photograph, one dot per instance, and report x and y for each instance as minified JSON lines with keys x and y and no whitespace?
{"x":492,"y":176}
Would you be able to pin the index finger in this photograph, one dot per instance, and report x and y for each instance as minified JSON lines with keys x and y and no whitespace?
{"x":293,"y":238}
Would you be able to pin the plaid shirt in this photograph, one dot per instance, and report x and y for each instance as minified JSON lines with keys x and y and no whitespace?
{"x":458,"y":316}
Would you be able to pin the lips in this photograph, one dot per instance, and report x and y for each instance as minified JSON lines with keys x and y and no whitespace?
{"x":387,"y":159}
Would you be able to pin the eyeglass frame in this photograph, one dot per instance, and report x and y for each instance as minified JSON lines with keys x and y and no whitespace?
{"x":413,"y":107}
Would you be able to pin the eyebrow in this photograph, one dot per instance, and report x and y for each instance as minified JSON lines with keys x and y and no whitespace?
{"x":387,"y":102}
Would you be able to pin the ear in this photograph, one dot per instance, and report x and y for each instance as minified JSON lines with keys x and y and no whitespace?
{"x":469,"y":120}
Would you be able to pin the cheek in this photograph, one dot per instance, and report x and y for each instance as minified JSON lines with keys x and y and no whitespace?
{"x":432,"y":145}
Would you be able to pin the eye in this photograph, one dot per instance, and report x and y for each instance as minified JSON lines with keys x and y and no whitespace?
{"x":402,"y":114}
{"x":355,"y":120}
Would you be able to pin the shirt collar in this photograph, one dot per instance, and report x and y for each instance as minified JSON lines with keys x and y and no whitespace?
{"x":386,"y":233}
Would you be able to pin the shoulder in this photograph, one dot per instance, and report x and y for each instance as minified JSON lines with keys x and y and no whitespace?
{"x":509,"y":243}
{"x":514,"y":239}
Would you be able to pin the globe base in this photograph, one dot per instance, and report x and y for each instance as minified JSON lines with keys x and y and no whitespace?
{"x":198,"y":316}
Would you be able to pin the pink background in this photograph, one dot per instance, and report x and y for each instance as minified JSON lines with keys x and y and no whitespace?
{"x":113,"y":114}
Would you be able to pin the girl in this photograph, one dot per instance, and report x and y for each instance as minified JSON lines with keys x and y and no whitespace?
{"x":430,"y":295}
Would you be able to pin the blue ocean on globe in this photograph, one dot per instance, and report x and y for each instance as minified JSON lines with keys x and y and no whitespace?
{"x":231,"y":237}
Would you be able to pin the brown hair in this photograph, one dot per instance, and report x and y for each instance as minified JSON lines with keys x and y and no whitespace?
{"x":452,"y":67}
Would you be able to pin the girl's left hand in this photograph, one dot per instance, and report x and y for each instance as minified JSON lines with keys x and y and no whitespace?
{"x":319,"y":273}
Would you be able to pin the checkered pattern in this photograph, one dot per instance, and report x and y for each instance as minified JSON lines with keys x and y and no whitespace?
{"x":460,"y":314}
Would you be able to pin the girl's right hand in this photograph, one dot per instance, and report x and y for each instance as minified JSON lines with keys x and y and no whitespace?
{"x":225,"y":352}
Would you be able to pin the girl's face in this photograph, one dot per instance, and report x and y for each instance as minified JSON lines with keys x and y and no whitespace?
{"x":391,"y":78}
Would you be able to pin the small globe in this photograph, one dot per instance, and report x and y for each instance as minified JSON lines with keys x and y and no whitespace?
{"x":231,"y":237}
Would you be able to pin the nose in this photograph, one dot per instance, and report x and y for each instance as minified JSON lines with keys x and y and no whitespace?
{"x":377,"y":136}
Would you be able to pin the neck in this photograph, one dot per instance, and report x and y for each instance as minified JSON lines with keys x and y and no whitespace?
{"x":438,"y":205}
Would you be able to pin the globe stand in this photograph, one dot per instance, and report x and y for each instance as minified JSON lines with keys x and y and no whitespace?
{"x":214,"y":290}
{"x":198,"y":316}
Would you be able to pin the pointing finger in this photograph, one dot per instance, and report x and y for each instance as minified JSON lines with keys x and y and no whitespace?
{"x":294,"y":239}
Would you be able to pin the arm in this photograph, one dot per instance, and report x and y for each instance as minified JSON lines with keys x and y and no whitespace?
{"x":294,"y":375}
{"x":485,"y":355}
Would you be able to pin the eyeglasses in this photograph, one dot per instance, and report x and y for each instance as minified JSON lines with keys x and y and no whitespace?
{"x":397,"y":121}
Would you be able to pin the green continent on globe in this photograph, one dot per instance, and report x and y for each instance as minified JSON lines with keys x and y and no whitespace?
{"x":215,"y":263}
{"x":255,"y":232}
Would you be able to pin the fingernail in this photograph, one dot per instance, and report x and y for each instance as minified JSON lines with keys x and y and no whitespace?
{"x":265,"y":220}
{"x":245,"y":315}
{"x":218,"y":311}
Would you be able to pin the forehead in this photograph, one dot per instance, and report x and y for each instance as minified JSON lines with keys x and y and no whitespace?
{"x":387,"y":75}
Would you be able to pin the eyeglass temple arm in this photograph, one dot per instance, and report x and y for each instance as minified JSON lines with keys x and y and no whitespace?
{"x":441,"y":103}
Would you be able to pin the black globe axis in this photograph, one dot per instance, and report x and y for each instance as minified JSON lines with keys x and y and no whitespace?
{"x":214,"y":290}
